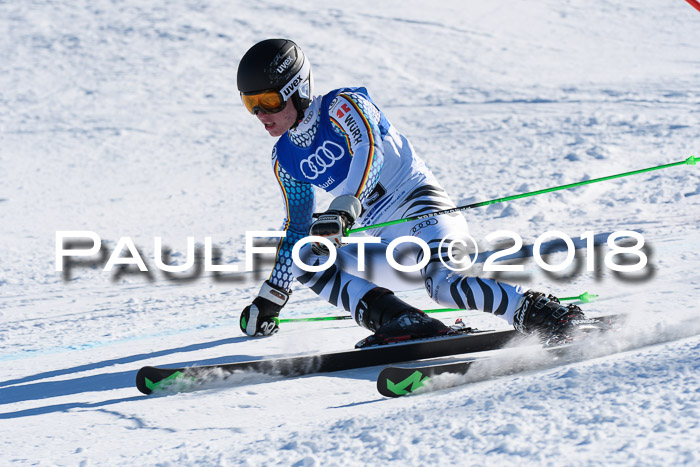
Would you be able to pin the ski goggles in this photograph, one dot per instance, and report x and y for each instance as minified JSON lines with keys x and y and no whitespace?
{"x":272,"y":101}
{"x":269,"y":102}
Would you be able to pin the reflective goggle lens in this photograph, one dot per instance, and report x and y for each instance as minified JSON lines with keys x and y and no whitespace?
{"x":268,"y":101}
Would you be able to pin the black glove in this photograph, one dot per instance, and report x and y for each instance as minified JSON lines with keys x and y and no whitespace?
{"x":333,"y":223}
{"x":260,"y":318}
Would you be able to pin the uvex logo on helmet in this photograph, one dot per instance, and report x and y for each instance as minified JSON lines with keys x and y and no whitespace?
{"x":287,"y":61}
{"x":292,"y":86}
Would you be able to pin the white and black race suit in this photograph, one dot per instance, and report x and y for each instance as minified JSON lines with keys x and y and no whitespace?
{"x":345,"y":145}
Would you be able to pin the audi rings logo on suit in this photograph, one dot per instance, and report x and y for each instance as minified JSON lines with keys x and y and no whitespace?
{"x":325,"y":157}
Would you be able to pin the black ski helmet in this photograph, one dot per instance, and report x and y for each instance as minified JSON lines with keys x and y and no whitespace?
{"x":279,"y":65}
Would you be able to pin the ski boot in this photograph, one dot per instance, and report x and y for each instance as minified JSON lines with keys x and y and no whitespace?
{"x":394,"y":320}
{"x":545,"y":316}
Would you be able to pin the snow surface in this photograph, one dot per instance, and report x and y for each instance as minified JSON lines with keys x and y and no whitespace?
{"x":122,"y":118}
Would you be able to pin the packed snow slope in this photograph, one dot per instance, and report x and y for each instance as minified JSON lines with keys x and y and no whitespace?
{"x":122,"y":118}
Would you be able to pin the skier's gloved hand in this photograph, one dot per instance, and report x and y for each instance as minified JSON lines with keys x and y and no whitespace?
{"x":332,"y":224}
{"x":260,"y":318}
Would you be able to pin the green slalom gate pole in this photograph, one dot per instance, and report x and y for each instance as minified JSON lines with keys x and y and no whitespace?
{"x":692,"y":160}
{"x":585,"y":297}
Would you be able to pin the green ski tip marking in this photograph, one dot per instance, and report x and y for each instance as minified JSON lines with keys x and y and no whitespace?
{"x":153,"y":386}
{"x":691,"y":160}
{"x":414,"y":381}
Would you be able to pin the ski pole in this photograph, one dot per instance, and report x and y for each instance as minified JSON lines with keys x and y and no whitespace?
{"x":313,"y":318}
{"x":692,"y":160}
{"x":584,"y":297}
{"x":342,"y":317}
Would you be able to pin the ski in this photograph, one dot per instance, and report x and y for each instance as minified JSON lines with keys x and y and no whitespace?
{"x":397,"y":381}
{"x":150,"y":378}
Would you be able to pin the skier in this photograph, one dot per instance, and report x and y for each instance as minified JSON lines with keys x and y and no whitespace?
{"x":342,"y":143}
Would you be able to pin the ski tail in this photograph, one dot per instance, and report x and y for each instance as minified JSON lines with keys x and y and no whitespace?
{"x":150,"y":378}
{"x":398,"y":381}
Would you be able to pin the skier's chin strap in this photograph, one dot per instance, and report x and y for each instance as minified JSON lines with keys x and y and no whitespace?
{"x":300,"y":113}
{"x":300,"y":117}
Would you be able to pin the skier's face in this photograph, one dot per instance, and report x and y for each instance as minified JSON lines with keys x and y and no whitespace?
{"x":278,"y":123}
